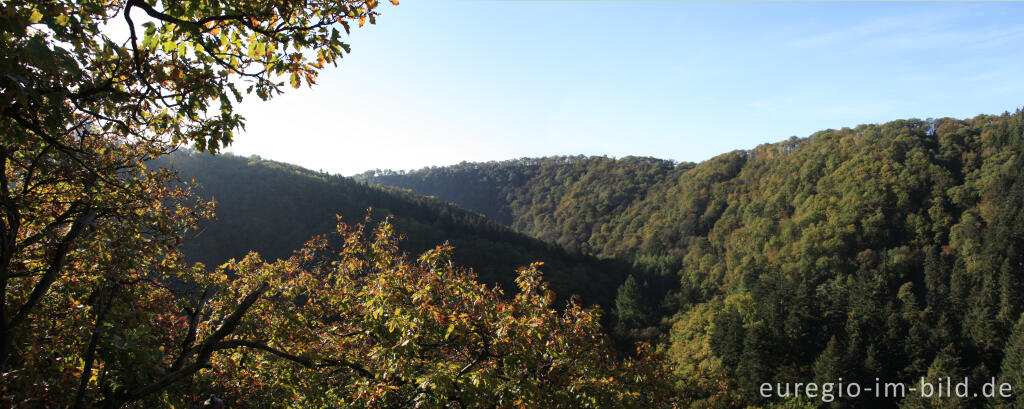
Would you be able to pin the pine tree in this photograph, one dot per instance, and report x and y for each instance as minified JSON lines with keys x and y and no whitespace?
{"x":1013,"y":366}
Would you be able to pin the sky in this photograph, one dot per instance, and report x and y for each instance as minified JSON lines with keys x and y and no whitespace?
{"x":438,"y":82}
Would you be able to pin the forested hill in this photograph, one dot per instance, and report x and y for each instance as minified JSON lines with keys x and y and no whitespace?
{"x":273,"y":208}
{"x":557,"y":199}
{"x":890,"y":250}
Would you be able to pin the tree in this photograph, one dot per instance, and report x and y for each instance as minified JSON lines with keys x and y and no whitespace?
{"x":174,"y":77}
{"x":89,"y":235}
{"x":352,"y":321}
{"x":88,"y":258}
{"x":631,"y":309}
{"x":946,"y":365}
{"x":1013,"y":365}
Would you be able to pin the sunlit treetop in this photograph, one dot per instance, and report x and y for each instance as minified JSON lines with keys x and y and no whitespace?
{"x":164,"y":71}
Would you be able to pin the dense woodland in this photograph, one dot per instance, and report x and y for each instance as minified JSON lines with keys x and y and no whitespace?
{"x":132,"y":276}
{"x":273,"y":208}
{"x":884,"y":251}
{"x":889,"y":251}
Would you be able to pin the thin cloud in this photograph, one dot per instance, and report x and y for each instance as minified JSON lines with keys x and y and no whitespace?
{"x":906,"y":30}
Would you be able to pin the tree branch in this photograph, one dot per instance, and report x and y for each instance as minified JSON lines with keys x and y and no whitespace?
{"x":193,"y":325}
{"x":205,"y":350}
{"x":56,"y":265}
{"x":199,"y":24}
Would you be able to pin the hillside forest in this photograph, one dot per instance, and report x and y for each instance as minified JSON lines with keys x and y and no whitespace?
{"x":883,"y":251}
{"x":888,"y":251}
{"x":141,"y":266}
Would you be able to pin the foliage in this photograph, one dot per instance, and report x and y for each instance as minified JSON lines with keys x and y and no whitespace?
{"x":557,"y":199}
{"x":864,"y":251}
{"x":883,"y":251}
{"x":364,"y":325}
{"x":176,"y":74}
{"x":84,"y":248}
{"x":289,"y":204}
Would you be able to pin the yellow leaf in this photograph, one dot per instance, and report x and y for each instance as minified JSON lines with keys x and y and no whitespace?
{"x":36,"y":16}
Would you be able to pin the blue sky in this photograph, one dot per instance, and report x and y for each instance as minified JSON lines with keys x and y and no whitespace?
{"x":439,"y":82}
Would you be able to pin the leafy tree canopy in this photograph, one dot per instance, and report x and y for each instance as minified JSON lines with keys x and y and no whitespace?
{"x":175,"y":72}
